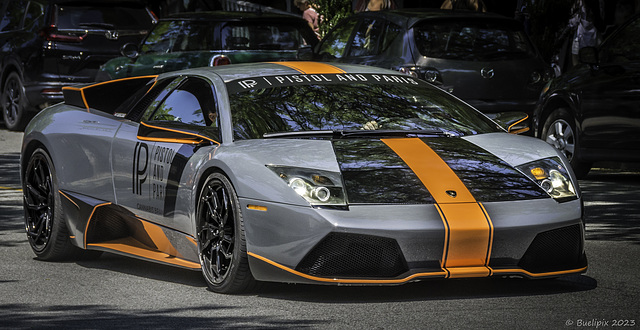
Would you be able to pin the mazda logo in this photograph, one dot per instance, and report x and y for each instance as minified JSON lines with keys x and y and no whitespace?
{"x":487,"y":73}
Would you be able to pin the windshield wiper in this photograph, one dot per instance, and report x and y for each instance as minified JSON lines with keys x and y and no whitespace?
{"x":303,"y":134}
{"x":407,"y":133}
{"x":106,"y":26}
{"x":342,"y":134}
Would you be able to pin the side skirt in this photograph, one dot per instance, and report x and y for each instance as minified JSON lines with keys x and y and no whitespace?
{"x":100,"y":225}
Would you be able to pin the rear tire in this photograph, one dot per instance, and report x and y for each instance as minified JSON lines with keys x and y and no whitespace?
{"x":559,"y":131}
{"x":221,"y":241}
{"x":44,"y":222}
{"x":14,"y":103}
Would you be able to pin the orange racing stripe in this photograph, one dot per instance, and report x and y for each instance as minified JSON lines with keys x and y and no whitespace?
{"x":468,"y":228}
{"x":311,"y":67}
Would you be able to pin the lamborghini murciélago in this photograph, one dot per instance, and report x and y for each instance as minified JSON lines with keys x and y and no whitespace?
{"x":296,"y":172}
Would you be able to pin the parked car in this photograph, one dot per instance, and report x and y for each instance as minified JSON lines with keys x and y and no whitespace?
{"x":485,"y":59}
{"x":190,"y":40}
{"x":592,"y":112}
{"x":296,"y":172}
{"x":48,"y":44}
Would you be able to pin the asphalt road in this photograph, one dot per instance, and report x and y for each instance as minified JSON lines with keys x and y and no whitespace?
{"x":118,"y":292}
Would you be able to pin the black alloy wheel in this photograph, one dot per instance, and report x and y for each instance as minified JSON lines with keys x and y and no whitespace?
{"x":46,"y":231}
{"x":221,"y":240}
{"x":14,"y":103}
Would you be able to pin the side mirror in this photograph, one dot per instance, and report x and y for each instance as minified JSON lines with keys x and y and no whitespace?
{"x":173,"y":132}
{"x":588,"y":55}
{"x":513,"y":122}
{"x":129,"y":50}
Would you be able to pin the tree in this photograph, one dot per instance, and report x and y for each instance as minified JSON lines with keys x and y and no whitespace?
{"x":331,"y":11}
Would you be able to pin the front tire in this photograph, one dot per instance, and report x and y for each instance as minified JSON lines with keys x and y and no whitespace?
{"x":44,"y":223}
{"x":221,"y":241}
{"x":14,"y":103}
{"x":559,"y":131}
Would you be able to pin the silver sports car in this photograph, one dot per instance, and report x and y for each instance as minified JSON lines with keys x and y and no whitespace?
{"x":296,"y":172}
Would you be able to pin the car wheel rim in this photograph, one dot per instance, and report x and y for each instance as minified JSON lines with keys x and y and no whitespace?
{"x":39,"y":202}
{"x":12,"y":101}
{"x":216,"y":235}
{"x":561,"y":136}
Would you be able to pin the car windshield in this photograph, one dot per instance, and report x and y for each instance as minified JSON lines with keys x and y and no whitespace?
{"x":361,"y":104}
{"x":472,"y":40}
{"x":96,"y":16}
{"x":261,"y":36}
{"x":179,"y":36}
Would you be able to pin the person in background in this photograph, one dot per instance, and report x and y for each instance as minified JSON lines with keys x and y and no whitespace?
{"x":474,"y":5}
{"x":310,"y":15}
{"x":374,"y":5}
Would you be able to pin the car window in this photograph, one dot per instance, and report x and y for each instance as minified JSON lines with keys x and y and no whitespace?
{"x":163,"y":37}
{"x":261,"y":36}
{"x":103,"y":16}
{"x":335,"y":43}
{"x":387,"y":102}
{"x":367,"y":38}
{"x":625,"y":45}
{"x":191,"y":103}
{"x":195,"y":36}
{"x":472,"y":40}
{"x":12,"y":15}
{"x":35,"y":11}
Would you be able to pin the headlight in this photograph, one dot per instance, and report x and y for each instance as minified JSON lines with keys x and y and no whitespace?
{"x":551,"y":175}
{"x":315,"y":186}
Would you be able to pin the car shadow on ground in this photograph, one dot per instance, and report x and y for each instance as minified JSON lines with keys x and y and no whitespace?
{"x":27,"y":316}
{"x":612,"y":205}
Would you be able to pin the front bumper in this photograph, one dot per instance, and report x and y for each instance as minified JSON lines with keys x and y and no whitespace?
{"x":395,"y":244}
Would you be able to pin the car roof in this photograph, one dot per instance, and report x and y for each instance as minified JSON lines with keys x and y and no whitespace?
{"x":252,"y":70}
{"x":229,"y":16}
{"x":409,"y":17}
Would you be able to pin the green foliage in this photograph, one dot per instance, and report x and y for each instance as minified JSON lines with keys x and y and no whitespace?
{"x":332,"y":11}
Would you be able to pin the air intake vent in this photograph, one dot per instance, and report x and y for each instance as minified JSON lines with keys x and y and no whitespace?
{"x":354,"y":255}
{"x":554,"y":250}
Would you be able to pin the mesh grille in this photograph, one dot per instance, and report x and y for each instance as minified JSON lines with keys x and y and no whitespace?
{"x":106,"y":225}
{"x":554,"y":250}
{"x":354,"y":255}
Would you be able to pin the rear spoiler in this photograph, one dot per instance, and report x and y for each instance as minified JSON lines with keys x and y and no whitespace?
{"x":104,"y":96}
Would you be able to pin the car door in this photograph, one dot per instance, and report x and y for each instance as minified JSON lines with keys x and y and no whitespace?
{"x":148,"y":169}
{"x":611,"y":94}
{"x":132,"y":159}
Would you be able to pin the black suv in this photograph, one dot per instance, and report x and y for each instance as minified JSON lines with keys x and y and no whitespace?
{"x":49,"y":44}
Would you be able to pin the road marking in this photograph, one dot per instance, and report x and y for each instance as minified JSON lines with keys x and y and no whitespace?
{"x":10,"y":188}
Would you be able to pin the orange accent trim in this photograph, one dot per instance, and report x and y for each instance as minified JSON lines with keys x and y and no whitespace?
{"x":515,"y":271}
{"x":69,"y":198}
{"x":468,"y":228}
{"x":192,"y":240}
{"x":490,"y":249}
{"x":347,"y":281}
{"x":460,"y":272}
{"x":434,"y":173}
{"x":174,"y":140}
{"x":81,"y":89}
{"x":133,"y":247}
{"x":516,"y":123}
{"x":89,"y":221}
{"x":469,"y":235}
{"x":311,"y":67}
{"x":159,"y":238}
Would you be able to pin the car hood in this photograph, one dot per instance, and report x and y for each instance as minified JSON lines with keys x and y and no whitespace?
{"x":373,"y":171}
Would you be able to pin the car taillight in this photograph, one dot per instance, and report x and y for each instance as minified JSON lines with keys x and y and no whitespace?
{"x":50,"y":33}
{"x":219,"y":60}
